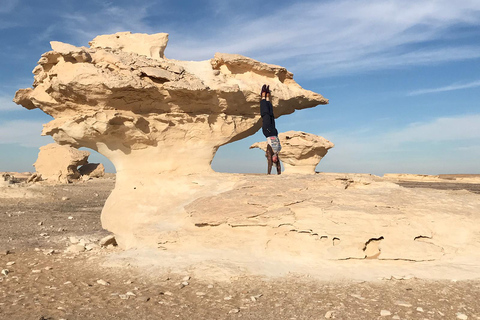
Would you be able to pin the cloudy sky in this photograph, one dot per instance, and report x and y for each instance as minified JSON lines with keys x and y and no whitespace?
{"x":402,"y":76}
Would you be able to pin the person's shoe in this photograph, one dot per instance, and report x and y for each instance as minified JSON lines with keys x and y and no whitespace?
{"x":267,"y":89}
{"x":264,"y":89}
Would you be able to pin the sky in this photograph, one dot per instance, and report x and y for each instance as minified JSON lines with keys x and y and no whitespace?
{"x":402,"y":76}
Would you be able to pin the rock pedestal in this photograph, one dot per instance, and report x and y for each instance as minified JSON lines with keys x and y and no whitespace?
{"x":156,"y":119}
{"x":301,"y":152}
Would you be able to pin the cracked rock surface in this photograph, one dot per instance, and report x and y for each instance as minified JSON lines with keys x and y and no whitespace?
{"x":331,"y":217}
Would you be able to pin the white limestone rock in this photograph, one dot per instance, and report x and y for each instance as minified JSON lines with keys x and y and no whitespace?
{"x":301,"y":152}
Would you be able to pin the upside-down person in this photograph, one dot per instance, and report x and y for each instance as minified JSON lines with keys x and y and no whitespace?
{"x":269,"y":130}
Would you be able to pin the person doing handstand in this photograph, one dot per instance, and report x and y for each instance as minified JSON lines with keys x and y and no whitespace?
{"x":269,"y":130}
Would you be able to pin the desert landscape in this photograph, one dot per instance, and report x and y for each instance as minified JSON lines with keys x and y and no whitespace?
{"x":167,"y":237}
{"x":55,"y":267}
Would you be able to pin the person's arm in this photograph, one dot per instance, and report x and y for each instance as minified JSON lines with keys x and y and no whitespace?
{"x":269,"y":154}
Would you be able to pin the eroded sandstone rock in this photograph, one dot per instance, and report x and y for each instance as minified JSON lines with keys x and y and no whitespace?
{"x":157,"y":120}
{"x":150,"y":45}
{"x":92,"y":170}
{"x":301,"y":152}
{"x":57,"y":163}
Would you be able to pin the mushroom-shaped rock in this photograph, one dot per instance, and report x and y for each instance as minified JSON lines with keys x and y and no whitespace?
{"x":156,"y":119}
{"x":59,"y":163}
{"x":301,"y":152}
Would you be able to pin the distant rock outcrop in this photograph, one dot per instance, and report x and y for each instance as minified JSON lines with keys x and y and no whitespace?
{"x":92,"y":170}
{"x":156,"y":119}
{"x":58,"y":164}
{"x":301,"y":152}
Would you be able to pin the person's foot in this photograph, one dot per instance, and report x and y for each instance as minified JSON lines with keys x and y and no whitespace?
{"x":267,"y":91}
{"x":263,"y":93}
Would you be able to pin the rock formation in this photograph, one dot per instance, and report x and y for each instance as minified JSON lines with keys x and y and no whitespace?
{"x":58,"y":164}
{"x":92,"y":170}
{"x":6,"y":179}
{"x":301,"y":152}
{"x":158,"y":120}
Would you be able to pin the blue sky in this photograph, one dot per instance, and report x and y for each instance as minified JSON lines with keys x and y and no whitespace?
{"x":403,"y":77}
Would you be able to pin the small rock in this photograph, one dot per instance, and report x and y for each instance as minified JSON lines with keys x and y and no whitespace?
{"x":40,"y":223}
{"x":385,"y":313}
{"x":73,"y":240}
{"x":403,"y":304}
{"x":420,"y":309}
{"x":227,"y":298}
{"x":185,"y":283}
{"x":5,"y":272}
{"x":76,"y":248}
{"x":4,"y":252}
{"x":123,"y":296}
{"x":255,"y":298}
{"x":48,"y":268}
{"x":396,"y":317}
{"x":36,"y":271}
{"x":49,"y":252}
{"x":70,"y":218}
{"x":91,"y":246}
{"x":11,"y":263}
{"x":329,"y":315}
{"x":103,"y":282}
{"x":461,"y":316}
{"x":130,"y":293}
{"x":108,"y":240}
{"x":186,"y":278}
{"x":200,"y":293}
{"x":168,"y":293}
{"x":65,"y":198}
{"x":210,"y":286}
{"x":234,"y":311}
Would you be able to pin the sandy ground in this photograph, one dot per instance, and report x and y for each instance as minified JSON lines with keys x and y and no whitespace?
{"x":40,"y":280}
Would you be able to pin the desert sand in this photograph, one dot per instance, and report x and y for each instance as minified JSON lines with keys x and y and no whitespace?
{"x":51,"y":276}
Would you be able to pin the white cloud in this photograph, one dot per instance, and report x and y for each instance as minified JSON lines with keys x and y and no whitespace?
{"x":333,"y":37}
{"x":111,"y":19}
{"x":24,"y":133}
{"x":8,"y":6}
{"x":6,"y":104}
{"x":451,"y":87}
{"x":442,"y":145}
{"x":445,"y":129}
